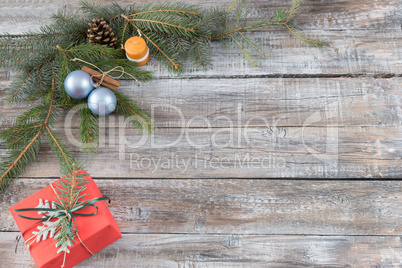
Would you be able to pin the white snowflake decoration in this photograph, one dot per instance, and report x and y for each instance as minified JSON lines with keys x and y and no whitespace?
{"x":48,"y":229}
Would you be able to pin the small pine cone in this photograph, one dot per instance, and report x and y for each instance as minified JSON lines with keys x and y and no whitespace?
{"x":101,"y":33}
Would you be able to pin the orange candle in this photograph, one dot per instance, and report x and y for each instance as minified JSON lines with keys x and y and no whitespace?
{"x":137,"y":50}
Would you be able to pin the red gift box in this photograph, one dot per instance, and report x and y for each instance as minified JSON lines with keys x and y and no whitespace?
{"x":96,"y":232}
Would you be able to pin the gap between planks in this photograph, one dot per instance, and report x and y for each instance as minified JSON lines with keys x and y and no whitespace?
{"x":251,"y":178}
{"x":241,"y":234}
{"x":165,"y":250}
{"x":279,"y":75}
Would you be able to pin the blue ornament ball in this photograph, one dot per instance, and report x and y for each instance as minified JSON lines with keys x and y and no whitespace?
{"x":102,"y":101}
{"x":78,"y":84}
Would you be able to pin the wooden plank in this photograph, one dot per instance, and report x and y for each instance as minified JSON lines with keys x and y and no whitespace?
{"x":264,"y":111}
{"x":253,"y":207}
{"x":355,"y":30}
{"x":286,"y":152}
{"x":255,"y":102}
{"x":338,"y":15}
{"x":320,"y":127}
{"x":175,"y":250}
{"x":327,"y":14}
{"x":351,"y":53}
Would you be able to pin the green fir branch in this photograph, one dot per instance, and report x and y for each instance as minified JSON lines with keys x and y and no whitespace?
{"x":293,"y":8}
{"x":174,"y":32}
{"x":96,"y":11}
{"x":314,"y":42}
{"x":90,"y":52}
{"x":59,"y":147}
{"x":162,"y":54}
{"x":72,"y":185}
{"x":211,"y":21}
{"x":15,"y":50}
{"x":128,"y":108}
{"x":15,"y":164}
{"x":163,"y":50}
{"x":123,"y":33}
{"x":244,"y":50}
{"x":71,"y":22}
{"x":200,"y":54}
{"x":26,"y":147}
{"x":29,"y":81}
{"x":69,"y":194}
{"x":177,"y":9}
{"x":89,"y":129}
{"x":236,"y":28}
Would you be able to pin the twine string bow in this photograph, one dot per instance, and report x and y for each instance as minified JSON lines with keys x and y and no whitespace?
{"x":107,"y":73}
{"x":61,"y":212}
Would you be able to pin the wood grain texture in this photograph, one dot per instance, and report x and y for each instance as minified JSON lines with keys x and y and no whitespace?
{"x":286,"y":152}
{"x":327,"y":14}
{"x":303,"y":113}
{"x":254,"y":102}
{"x":175,"y":250}
{"x":364,"y":37}
{"x":253,"y":207}
{"x":313,"y":128}
{"x":352,"y":53}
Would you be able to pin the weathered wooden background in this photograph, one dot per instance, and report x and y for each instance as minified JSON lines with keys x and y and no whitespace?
{"x":327,"y":126}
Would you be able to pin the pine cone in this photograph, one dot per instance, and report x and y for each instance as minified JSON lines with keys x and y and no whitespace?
{"x":101,"y":33}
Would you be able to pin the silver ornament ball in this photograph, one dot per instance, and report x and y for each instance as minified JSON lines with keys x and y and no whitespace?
{"x":78,"y":84}
{"x":102,"y":101}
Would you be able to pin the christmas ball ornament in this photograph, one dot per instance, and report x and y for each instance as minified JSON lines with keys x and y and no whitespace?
{"x":78,"y":84}
{"x":102,"y":101}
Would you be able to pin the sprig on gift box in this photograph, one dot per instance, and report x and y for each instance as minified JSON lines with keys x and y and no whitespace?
{"x":69,"y":195}
{"x":174,"y":33}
